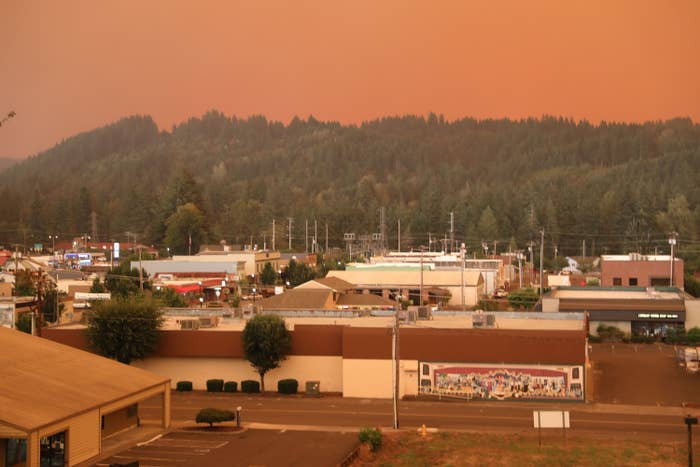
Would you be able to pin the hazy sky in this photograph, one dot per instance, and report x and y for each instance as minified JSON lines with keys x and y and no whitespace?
{"x":69,"y":66}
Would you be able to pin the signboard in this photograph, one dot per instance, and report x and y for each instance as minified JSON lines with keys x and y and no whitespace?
{"x":551,"y":419}
{"x":115,"y":249}
{"x":92,"y":296}
{"x":7,"y":315}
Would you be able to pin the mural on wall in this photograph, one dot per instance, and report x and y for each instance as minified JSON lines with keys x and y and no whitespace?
{"x":475,"y":381}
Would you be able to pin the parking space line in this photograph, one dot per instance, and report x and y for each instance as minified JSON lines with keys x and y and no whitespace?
{"x":150,"y":459}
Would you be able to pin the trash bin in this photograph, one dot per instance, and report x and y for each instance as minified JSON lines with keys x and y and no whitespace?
{"x":313,"y":388}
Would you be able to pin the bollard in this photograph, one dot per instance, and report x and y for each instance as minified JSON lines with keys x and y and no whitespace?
{"x":238,"y":416}
{"x":423,"y":431}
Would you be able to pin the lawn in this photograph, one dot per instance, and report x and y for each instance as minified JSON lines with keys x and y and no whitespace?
{"x":456,"y":449}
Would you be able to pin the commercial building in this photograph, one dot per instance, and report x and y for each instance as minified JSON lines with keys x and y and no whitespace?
{"x":634,"y":310}
{"x":636,"y":270}
{"x":461,"y":355}
{"x":58,"y":403}
{"x":438,"y":286}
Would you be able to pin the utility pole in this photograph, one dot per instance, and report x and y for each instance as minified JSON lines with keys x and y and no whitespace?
{"x":306,"y":235}
{"x":541,"y":262}
{"x":326,"y":237}
{"x":672,"y":242}
{"x":420,"y":299}
{"x":532,"y":261}
{"x":290,"y":232}
{"x":141,"y":271}
{"x":397,"y":362}
{"x":462,"y":253}
{"x":273,"y":235}
{"x":495,"y":242}
{"x":315,"y":236}
{"x":399,"y":241}
{"x":584,"y":249}
{"x":520,"y":268}
{"x":452,"y":230}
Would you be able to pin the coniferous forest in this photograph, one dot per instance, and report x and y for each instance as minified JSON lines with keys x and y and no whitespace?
{"x":621,"y":187}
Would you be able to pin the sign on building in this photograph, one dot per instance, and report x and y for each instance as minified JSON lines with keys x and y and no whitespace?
{"x":7,"y":315}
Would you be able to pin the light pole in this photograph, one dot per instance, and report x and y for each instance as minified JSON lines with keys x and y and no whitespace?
{"x":672,"y":242}
{"x":254,"y":295}
{"x":462,"y":252}
{"x":397,"y":360}
{"x":690,"y":421}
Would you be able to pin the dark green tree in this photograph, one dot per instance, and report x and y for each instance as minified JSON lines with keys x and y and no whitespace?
{"x":123,"y":280}
{"x":124,"y":329}
{"x":24,"y":323}
{"x":523,"y":298}
{"x":97,"y":286}
{"x":24,"y":284}
{"x":297,"y":273}
{"x":166,"y":296}
{"x":266,"y":342}
{"x":185,"y":226}
{"x":268,"y":276}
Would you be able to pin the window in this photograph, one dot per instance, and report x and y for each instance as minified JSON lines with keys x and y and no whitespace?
{"x":575,"y":373}
{"x":52,"y":450}
{"x":617,"y":280}
{"x":16,"y":453}
{"x":426,"y":369}
{"x":633,"y":281}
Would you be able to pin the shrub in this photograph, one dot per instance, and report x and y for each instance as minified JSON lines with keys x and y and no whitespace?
{"x":287,"y":386}
{"x":230,"y":386}
{"x":183,"y":386}
{"x":594,"y":339}
{"x":212,"y":416}
{"x":610,"y":333}
{"x":250,"y":386}
{"x":215,"y":385}
{"x":371,"y":436}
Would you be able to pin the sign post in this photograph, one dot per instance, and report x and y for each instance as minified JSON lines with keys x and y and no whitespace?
{"x":690,"y":421}
{"x":551,"y":419}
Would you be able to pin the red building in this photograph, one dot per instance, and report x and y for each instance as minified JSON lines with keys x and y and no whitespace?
{"x":636,"y":270}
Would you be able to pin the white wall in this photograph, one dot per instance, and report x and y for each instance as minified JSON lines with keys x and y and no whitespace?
{"x":692,"y":314}
{"x":327,"y":370}
{"x":373,"y":378}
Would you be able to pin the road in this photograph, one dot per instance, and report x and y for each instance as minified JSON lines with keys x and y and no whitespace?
{"x":337,"y":413}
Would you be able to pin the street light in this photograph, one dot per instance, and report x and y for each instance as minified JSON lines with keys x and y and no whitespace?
{"x":254,"y":295}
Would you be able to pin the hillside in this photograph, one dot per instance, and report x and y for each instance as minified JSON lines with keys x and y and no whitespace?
{"x":619,"y":186}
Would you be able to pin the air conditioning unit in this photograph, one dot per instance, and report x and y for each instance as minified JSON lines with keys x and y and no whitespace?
{"x":191,"y":324}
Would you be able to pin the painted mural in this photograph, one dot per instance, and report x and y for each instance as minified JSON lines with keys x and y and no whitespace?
{"x":474,"y":381}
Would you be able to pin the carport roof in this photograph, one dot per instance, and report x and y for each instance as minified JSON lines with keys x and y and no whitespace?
{"x":44,"y":382}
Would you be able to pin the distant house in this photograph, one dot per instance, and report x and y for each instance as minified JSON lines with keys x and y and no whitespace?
{"x":325,"y":294}
{"x":636,"y":270}
{"x":58,"y":403}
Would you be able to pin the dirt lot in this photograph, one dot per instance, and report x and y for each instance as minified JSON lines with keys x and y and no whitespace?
{"x":641,"y":374}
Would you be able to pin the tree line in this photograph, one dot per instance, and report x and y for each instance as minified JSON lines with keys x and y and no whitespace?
{"x":619,"y":186}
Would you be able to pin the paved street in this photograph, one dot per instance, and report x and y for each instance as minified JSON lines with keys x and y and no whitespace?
{"x":343,"y":414}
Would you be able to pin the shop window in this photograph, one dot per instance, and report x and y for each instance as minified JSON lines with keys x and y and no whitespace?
{"x":617,"y":280}
{"x":633,"y":281}
{"x":16,"y":453}
{"x":575,"y":373}
{"x":426,"y":369}
{"x":52,"y":450}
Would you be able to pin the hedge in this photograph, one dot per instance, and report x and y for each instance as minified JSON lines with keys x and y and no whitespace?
{"x":183,"y":386}
{"x":230,"y":386}
{"x":215,"y":385}
{"x":287,"y":386}
{"x":211,"y":416}
{"x":250,"y":386}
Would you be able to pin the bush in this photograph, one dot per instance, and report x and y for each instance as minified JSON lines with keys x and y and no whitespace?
{"x":594,"y":339}
{"x":183,"y":386}
{"x":230,"y":386}
{"x":287,"y":386}
{"x":215,"y":385}
{"x":610,"y":333}
{"x":212,"y":416}
{"x":371,"y":436}
{"x":249,"y":386}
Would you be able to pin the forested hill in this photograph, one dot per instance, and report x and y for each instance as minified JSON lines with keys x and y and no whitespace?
{"x":622,"y":186}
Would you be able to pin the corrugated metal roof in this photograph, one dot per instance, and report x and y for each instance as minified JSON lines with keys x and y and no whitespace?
{"x":300,"y":299}
{"x":44,"y":382}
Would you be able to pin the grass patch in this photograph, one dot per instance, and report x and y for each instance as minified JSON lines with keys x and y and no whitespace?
{"x":455,"y":449}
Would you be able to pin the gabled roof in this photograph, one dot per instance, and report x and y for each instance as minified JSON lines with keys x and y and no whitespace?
{"x":44,"y":382}
{"x":364,"y":300}
{"x":333,"y":283}
{"x":300,"y":299}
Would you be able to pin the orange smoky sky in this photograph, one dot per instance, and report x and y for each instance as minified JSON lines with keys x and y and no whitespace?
{"x":69,"y":66}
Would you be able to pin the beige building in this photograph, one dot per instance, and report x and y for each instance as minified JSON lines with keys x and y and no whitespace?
{"x":253,"y":260}
{"x":438,"y":285}
{"x":59,"y":403}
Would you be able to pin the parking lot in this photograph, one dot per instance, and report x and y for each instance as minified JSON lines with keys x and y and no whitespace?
{"x":251,"y":447}
{"x":641,"y":374}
